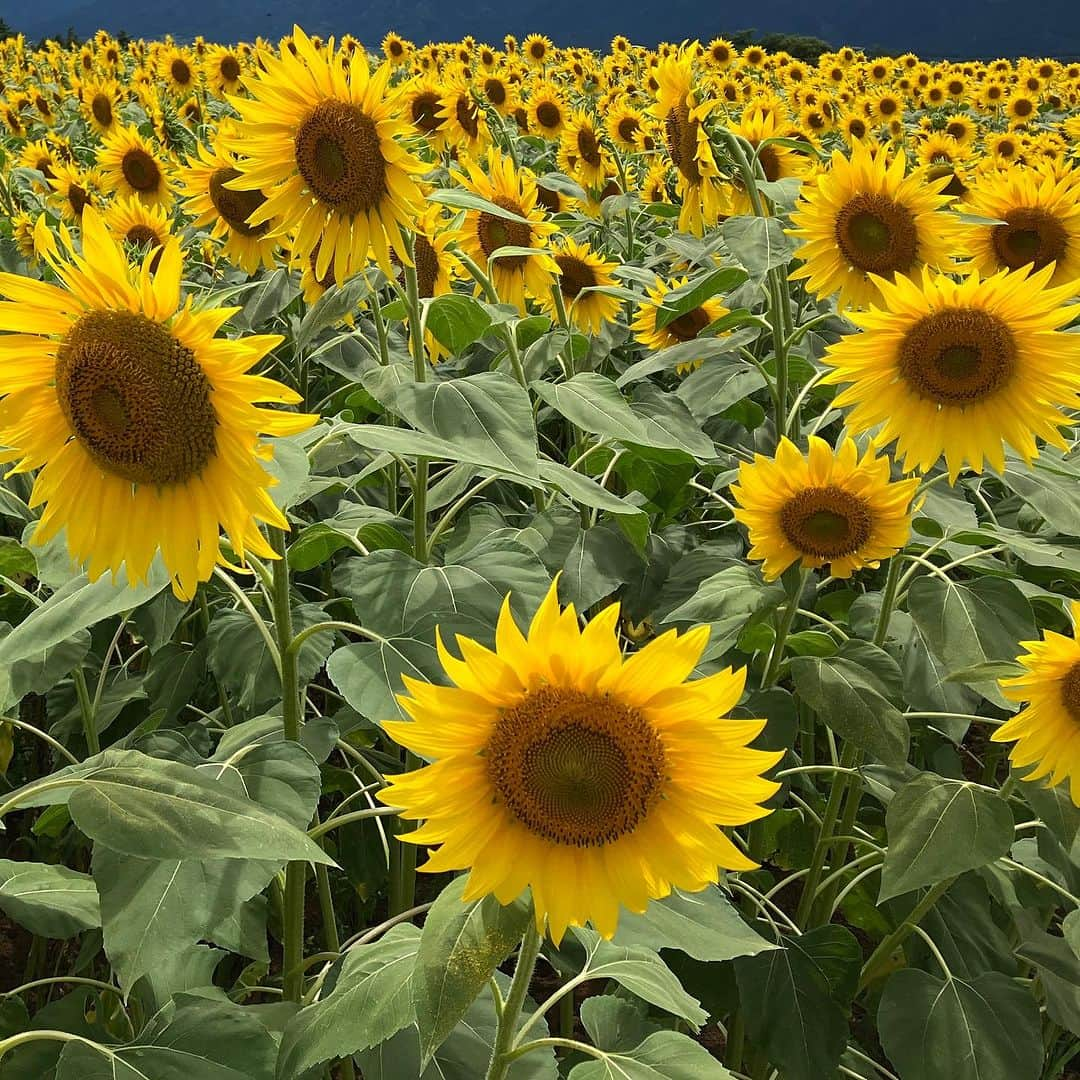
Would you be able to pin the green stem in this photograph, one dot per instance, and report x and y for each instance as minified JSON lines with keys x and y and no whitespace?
{"x":736,"y":1041}
{"x":776,"y":657}
{"x":86,"y":710}
{"x":880,"y":957}
{"x":380,"y":328}
{"x":888,"y":599}
{"x":850,"y":812}
{"x":515,"y":999}
{"x":292,"y":919}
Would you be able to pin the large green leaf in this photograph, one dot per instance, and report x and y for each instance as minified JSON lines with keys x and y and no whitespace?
{"x":987,"y":1028}
{"x":664,"y":1055}
{"x":370,"y":1001}
{"x":759,"y":244}
{"x":368,"y":674}
{"x":704,"y":925}
{"x":601,"y":560}
{"x":51,"y":901}
{"x":938,"y":828}
{"x":616,"y":1023}
{"x":461,"y":946}
{"x":456,"y":321}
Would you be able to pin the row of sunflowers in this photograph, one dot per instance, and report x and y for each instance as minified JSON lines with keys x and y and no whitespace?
{"x":654,"y":473}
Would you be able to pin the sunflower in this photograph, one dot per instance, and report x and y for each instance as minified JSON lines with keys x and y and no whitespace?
{"x":203,"y":181}
{"x":759,"y":126}
{"x":312,"y":286}
{"x":396,"y":49}
{"x":720,"y":53}
{"x":498,"y":92}
{"x":513,"y":191}
{"x":1045,"y":731}
{"x":22,"y":232}
{"x":829,"y":507}
{"x":1042,"y":222}
{"x":580,"y":269}
{"x":75,"y":189}
{"x":957,"y":368}
{"x":99,"y":102}
{"x":143,"y":425}
{"x":142,"y":227}
{"x":462,"y":123}
{"x":322,"y":148}
{"x":436,"y":266}
{"x":536,"y":48}
{"x":654,"y":188}
{"x":581,"y":153}
{"x":1021,"y":108}
{"x":626,"y":126}
{"x":224,"y":69}
{"x":38,"y":155}
{"x":131,"y":167}
{"x":862,"y":220}
{"x":685,"y":328}
{"x":597,"y":781}
{"x":547,"y":110}
{"x":421,"y":103}
{"x":179,"y":69}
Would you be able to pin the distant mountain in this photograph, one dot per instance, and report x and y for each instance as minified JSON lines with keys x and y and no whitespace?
{"x":932,"y":28}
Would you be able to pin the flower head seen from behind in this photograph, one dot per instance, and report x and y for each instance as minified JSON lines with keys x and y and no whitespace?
{"x":142,"y":423}
{"x":1045,"y":730}
{"x":596,"y":780}
{"x":825,"y":508}
{"x":958,"y":369}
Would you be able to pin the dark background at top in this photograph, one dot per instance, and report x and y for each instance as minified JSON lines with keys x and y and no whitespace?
{"x":933,"y":28}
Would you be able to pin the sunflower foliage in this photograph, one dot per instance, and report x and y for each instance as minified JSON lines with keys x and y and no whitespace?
{"x":524,"y":563}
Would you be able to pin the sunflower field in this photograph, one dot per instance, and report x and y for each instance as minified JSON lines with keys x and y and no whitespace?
{"x":521,"y":563}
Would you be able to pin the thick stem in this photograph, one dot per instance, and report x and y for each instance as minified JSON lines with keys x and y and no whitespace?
{"x":292,"y":919}
{"x":888,"y":599}
{"x":776,"y":657}
{"x":515,"y":999}
{"x":86,"y":711}
{"x":847,"y":825}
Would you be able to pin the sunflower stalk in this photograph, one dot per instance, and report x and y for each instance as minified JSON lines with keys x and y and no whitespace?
{"x":501,"y":1055}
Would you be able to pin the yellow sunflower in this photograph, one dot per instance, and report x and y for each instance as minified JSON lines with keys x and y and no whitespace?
{"x":685,"y":328}
{"x":581,"y":154}
{"x":957,"y":368}
{"x":581,"y":269}
{"x":1045,"y":731}
{"x":75,"y":189}
{"x":827,"y":507}
{"x":862,"y":220}
{"x":625,"y":125}
{"x":144,"y":426}
{"x":22,"y":232}
{"x":462,"y":123}
{"x":131,"y":167}
{"x":498,"y":92}
{"x":536,"y":48}
{"x":421,"y":103}
{"x":321,"y":146}
{"x":212,"y":203}
{"x":396,"y":49}
{"x":513,"y":191}
{"x":595,"y":780}
{"x":224,"y":69}
{"x":143,"y":227}
{"x":547,"y":110}
{"x":1041,"y":213}
{"x":179,"y":69}
{"x":436,"y":266}
{"x":99,"y":101}
{"x":38,"y":155}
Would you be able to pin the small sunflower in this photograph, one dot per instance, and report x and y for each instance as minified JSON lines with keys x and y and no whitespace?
{"x":580,"y":269}
{"x":595,"y":780}
{"x":100,"y":104}
{"x":396,"y":49}
{"x":75,"y":189}
{"x":179,"y":68}
{"x":826,"y":508}
{"x":323,"y":149}
{"x":1021,"y":109}
{"x":421,"y":103}
{"x":581,"y":153}
{"x":131,"y":167}
{"x":498,"y":92}
{"x":142,"y":227}
{"x":536,"y":48}
{"x":863,"y":220}
{"x":625,"y":125}
{"x":462,"y":122}
{"x":38,"y":155}
{"x":143,"y":425}
{"x":547,"y":111}
{"x":685,"y":328}
{"x":1041,"y":215}
{"x":22,"y":232}
{"x":513,"y":191}
{"x":956,"y":369}
{"x":224,"y":69}
{"x":436,"y":266}
{"x":1045,"y":731}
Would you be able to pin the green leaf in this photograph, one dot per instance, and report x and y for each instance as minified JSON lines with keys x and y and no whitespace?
{"x":271,"y":296}
{"x":585,"y":490}
{"x":851,"y":699}
{"x":759,"y":244}
{"x":794,"y":1000}
{"x":280,"y":775}
{"x":665,"y":1055}
{"x":704,"y":925}
{"x":641,"y":971}
{"x":467,"y":200}
{"x":456,"y":321}
{"x":938,"y":828}
{"x":601,"y":560}
{"x":368,"y":674}
{"x":951,"y":1029}
{"x":333,"y":306}
{"x":693,"y":294}
{"x":50,"y":901}
{"x":370,"y":1001}
{"x":1050,"y":485}
{"x":717,"y":386}
{"x":616,"y":1023}
{"x":461,"y":946}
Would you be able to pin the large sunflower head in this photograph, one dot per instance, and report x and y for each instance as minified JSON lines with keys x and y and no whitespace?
{"x":580,"y":270}
{"x":143,"y":425}
{"x":321,"y":145}
{"x":863,"y":221}
{"x":597,"y":781}
{"x":958,"y":369}
{"x":826,"y":508}
{"x":1044,"y":732}
{"x":685,"y":328}
{"x":133,"y":168}
{"x":1041,"y":215}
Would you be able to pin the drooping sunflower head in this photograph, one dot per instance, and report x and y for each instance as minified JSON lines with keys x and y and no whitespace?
{"x":143,"y":425}
{"x":324,"y":151}
{"x":597,"y":781}
{"x":132,"y":167}
{"x":1044,"y":731}
{"x":961,"y":368}
{"x":687,"y":327}
{"x":863,"y":220}
{"x":825,"y":508}
{"x":582,"y":270}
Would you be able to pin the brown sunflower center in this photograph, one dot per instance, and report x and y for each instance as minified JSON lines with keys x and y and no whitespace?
{"x":575,"y":768}
{"x":229,"y":68}
{"x":77,"y":197}
{"x":1030,"y":237}
{"x":1070,"y":692}
{"x":495,"y":91}
{"x":682,"y":134}
{"x":496,"y":232}
{"x":771,"y":163}
{"x":180,"y":71}
{"x":339,"y":155}
{"x":826,"y":522}
{"x":426,"y":259}
{"x":101,"y":107}
{"x":877,"y":235}
{"x":628,"y":127}
{"x":140,"y":170}
{"x":468,"y":115}
{"x":548,"y":199}
{"x":425,"y":112}
{"x":958,"y":356}
{"x":955,"y":187}
{"x":236,"y":206}
{"x":687,"y":327}
{"x":588,"y":147}
{"x":548,"y":114}
{"x":576,"y":274}
{"x":142,"y":235}
{"x":328,"y":277}
{"x":136,"y":398}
